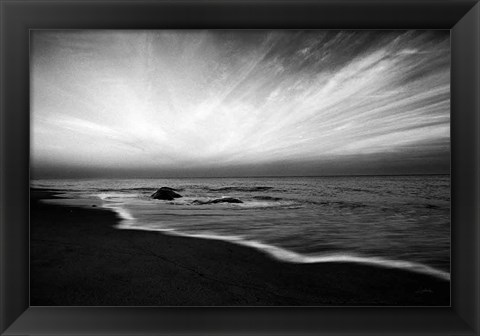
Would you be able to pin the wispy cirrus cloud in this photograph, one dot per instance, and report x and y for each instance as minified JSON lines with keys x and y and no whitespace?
{"x":163,"y":99}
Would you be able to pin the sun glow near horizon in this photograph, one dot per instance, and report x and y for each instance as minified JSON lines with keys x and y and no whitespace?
{"x":172,"y":99}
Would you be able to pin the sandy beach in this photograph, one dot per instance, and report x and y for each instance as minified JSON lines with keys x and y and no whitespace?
{"x":79,"y":258}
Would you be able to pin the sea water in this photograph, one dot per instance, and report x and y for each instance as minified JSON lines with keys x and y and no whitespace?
{"x":394,"y":221}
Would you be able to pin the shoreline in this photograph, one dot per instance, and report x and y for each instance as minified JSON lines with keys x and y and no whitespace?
{"x":78,"y":257}
{"x":287,"y":256}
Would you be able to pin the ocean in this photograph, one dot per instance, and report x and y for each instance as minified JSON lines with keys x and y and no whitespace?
{"x":391,"y":221}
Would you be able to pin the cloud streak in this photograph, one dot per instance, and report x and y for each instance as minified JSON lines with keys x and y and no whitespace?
{"x":163,"y":100}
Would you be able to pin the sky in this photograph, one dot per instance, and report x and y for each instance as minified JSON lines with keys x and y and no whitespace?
{"x":214,"y":103}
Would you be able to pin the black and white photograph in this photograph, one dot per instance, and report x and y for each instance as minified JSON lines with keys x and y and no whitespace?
{"x":240,"y":168}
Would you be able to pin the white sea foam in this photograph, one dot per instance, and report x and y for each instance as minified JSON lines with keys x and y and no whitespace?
{"x":113,"y":196}
{"x":122,"y":212}
{"x":290,"y":256}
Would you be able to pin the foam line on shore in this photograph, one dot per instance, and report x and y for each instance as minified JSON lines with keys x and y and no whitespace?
{"x":286,"y":255}
{"x":124,"y":214}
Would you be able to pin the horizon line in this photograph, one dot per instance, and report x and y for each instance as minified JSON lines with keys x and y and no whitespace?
{"x":225,"y":177}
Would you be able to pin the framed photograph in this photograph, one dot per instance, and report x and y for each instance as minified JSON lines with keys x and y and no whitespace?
{"x":270,"y":167}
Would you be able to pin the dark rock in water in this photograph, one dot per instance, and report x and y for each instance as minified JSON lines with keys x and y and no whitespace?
{"x":94,"y":206}
{"x":225,"y":200}
{"x":166,"y":193}
{"x":219,"y":200}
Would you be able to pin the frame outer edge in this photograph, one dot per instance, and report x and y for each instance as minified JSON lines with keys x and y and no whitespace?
{"x":4,"y":317}
{"x":3,"y":323}
{"x":472,"y":105}
{"x":12,"y":306}
{"x":476,"y":324}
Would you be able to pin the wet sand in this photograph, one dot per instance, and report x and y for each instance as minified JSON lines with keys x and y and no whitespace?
{"x":79,"y":258}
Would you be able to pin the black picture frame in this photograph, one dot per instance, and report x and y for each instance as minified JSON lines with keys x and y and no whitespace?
{"x":17,"y":17}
